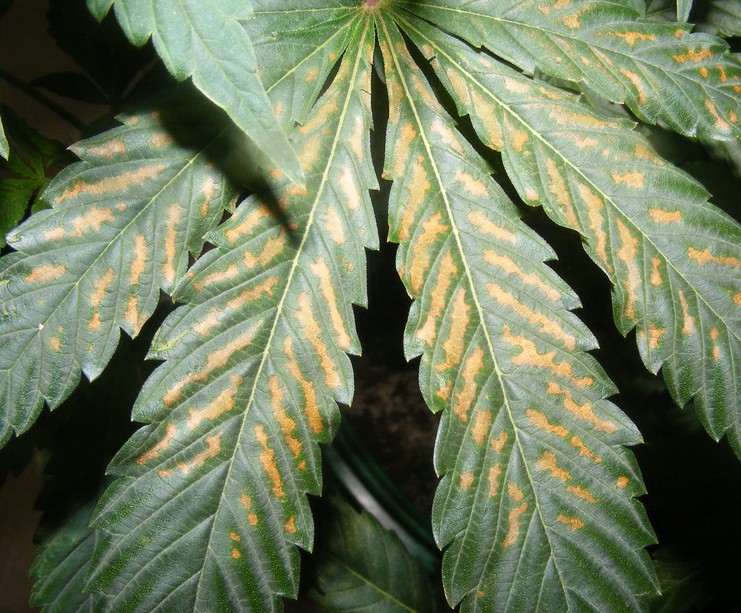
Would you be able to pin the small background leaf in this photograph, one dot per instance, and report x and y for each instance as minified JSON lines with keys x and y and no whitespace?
{"x":684,"y":7}
{"x":721,"y":17}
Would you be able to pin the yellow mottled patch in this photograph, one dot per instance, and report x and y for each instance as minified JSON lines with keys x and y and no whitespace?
{"x":140,"y":259}
{"x":622,"y":482}
{"x":333,"y":225}
{"x":583,"y":449}
{"x":214,"y":448}
{"x":637,"y":83}
{"x":627,"y":253}
{"x":269,"y":465}
{"x":431,"y":229}
{"x":119,"y":183}
{"x":101,"y":287}
{"x":356,"y":139}
{"x":530,"y":357}
{"x":347,"y":184}
{"x":131,"y":316}
{"x":558,"y":188}
{"x":585,"y":61}
{"x":454,"y":344}
{"x":309,"y":154}
{"x":515,"y":86}
{"x":170,"y":433}
{"x":509,"y":266}
{"x":311,"y":331}
{"x":574,"y":522}
{"x":321,"y":115}
{"x":447,"y":135}
{"x":108,"y":149}
{"x":583,"y":411}
{"x":547,"y":461}
{"x":466,"y":480}
{"x":481,"y":425}
{"x":479,"y":220}
{"x":402,"y":149}
{"x":703,"y":257}
{"x":486,"y":112}
{"x":644,"y":153}
{"x":694,"y":56}
{"x":586,"y":142}
{"x":518,"y":138}
{"x":580,"y":492}
{"x":464,"y":398}
{"x":594,"y":207}
{"x":272,"y":248}
{"x":425,"y":93}
{"x":513,"y":530}
{"x":428,"y":332}
{"x":223,"y":403}
{"x":287,"y":425}
{"x":217,"y":359}
{"x":321,"y":270}
{"x":631,"y":179}
{"x":311,"y":406}
{"x":539,"y":420}
{"x":55,"y":343}
{"x":471,"y":185}
{"x":720,"y":123}
{"x":278,"y":110}
{"x":174,"y":215}
{"x":498,"y":443}
{"x":217,"y":277}
{"x":494,"y":473}
{"x":459,"y":86}
{"x":92,"y":220}
{"x":246,"y":227}
{"x":417,"y":190}
{"x":548,"y":326}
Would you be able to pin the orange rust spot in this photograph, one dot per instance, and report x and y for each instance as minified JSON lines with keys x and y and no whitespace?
{"x":268,"y":463}
{"x":471,"y":185}
{"x":290,"y":525}
{"x":594,"y":206}
{"x":632,"y":37}
{"x":714,"y":334}
{"x":119,"y":183}
{"x":417,"y":190}
{"x":163,"y":445}
{"x":214,"y":448}
{"x":94,"y":323}
{"x":580,"y":492}
{"x":486,"y":112}
{"x":311,"y":406}
{"x":108,"y":149}
{"x":720,"y":123}
{"x":498,"y":443}
{"x":246,"y":227}
{"x":402,"y":149}
{"x":432,"y":228}
{"x":514,"y":525}
{"x":583,"y":449}
{"x":678,"y":33}
{"x":689,"y":321}
{"x":459,"y":86}
{"x":92,"y":220}
{"x":539,"y":420}
{"x":703,"y":257}
{"x":644,"y":153}
{"x":481,"y":425}
{"x":480,"y":221}
{"x":548,"y":326}
{"x":722,"y":71}
{"x":131,"y":316}
{"x":622,"y":482}
{"x":508,"y":265}
{"x":447,"y":135}
{"x":716,"y":353}
{"x":627,"y":253}
{"x":428,"y":332}
{"x":101,"y":286}
{"x":252,"y":519}
{"x":321,"y":270}
{"x":356,"y":139}
{"x":246,"y":501}
{"x":234,"y":536}
{"x":466,"y":480}
{"x":515,"y":492}
{"x":661,"y":216}
{"x":574,"y":522}
{"x":530,"y":357}
{"x":548,"y":462}
{"x":287,"y":425}
{"x":223,"y":403}
{"x":494,"y":473}
{"x":311,"y":332}
{"x":235,"y":554}
{"x":474,"y":364}
{"x":174,"y":215}
{"x":558,"y":189}
{"x":217,"y":359}
{"x":208,"y":189}
{"x":480,"y":593}
{"x":694,"y":56}
{"x":583,"y":411}
{"x":349,"y":188}
{"x":311,"y":75}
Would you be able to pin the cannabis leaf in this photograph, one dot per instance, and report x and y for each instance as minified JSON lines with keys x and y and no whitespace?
{"x":255,"y":364}
{"x":122,"y":225}
{"x":205,"y":40}
{"x":4,"y":148}
{"x":721,"y":17}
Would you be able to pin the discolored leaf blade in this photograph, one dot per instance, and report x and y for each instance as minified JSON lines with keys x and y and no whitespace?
{"x":720,"y":17}
{"x":123,"y":223}
{"x":537,"y":483}
{"x":205,"y":40}
{"x":255,"y":363}
{"x":662,"y":72}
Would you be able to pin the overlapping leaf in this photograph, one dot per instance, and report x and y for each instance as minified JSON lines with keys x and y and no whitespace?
{"x":688,"y":81}
{"x":4,"y":147}
{"x":212,"y":501}
{"x":123,"y":224}
{"x":721,"y":17}
{"x":537,"y":482}
{"x":205,"y":40}
{"x":673,"y":258}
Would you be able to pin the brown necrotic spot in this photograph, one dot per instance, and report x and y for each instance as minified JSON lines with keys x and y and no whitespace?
{"x":498,"y":443}
{"x":101,"y":286}
{"x":474,"y":364}
{"x":574,"y":522}
{"x":223,"y":403}
{"x":539,"y":420}
{"x":272,"y":248}
{"x":494,"y":473}
{"x":321,"y":270}
{"x":402,"y":149}
{"x":547,"y":461}
{"x":287,"y":425}
{"x":119,"y":183}
{"x":249,"y":224}
{"x":431,"y":229}
{"x":508,"y":265}
{"x":347,"y":184}
{"x":627,"y":253}
{"x":311,"y":406}
{"x":107,"y":150}
{"x":268,"y":463}
{"x":417,"y":189}
{"x":583,"y":411}
{"x":548,"y":326}
{"x":481,"y":425}
{"x":174,"y":215}
{"x":480,"y":221}
{"x":163,"y":445}
{"x":311,"y":332}
{"x":487,"y":113}
{"x":688,"y":324}
{"x":471,"y":185}
{"x":447,"y":269}
{"x":580,"y":492}
{"x":656,"y":279}
{"x":140,"y":259}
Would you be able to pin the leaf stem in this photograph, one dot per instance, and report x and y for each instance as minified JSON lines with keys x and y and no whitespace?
{"x":39,"y":97}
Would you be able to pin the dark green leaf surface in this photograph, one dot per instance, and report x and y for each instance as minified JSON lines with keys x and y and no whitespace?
{"x":205,"y":40}
{"x":688,"y":81}
{"x":255,"y":363}
{"x":537,"y":484}
{"x":720,"y":17}
{"x":684,"y":7}
{"x":123,"y":224}
{"x":4,"y":150}
{"x":358,"y":565}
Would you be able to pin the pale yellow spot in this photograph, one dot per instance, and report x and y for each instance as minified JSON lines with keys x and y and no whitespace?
{"x":532,"y":195}
{"x":278,"y":110}
{"x":174,"y":215}
{"x":55,"y":343}
{"x":349,"y":188}
{"x":321,"y":270}
{"x":689,"y":321}
{"x":515,"y":492}
{"x":101,"y":286}
{"x":290,"y":525}
{"x":320,"y":116}
{"x":732,"y":116}
{"x":578,"y":120}
{"x":162,"y":140}
{"x":514,"y":525}
{"x":107,"y":150}
{"x":539,"y":420}
{"x":234,"y":536}
{"x":170,"y":433}
{"x":268,"y":463}
{"x":585,"y":61}
{"x":594,"y":206}
{"x":486,"y":112}
{"x":644,"y":153}
{"x":138,"y":265}
{"x":586,"y":142}
{"x":558,"y":189}
{"x":580,"y":492}
{"x":428,"y":332}
{"x":214,"y":448}
{"x":356,"y":139}
{"x":246,"y":227}
{"x":131,"y":316}
{"x":704,"y":72}
{"x":311,"y":332}
{"x":272,"y":248}
{"x":661,"y":216}
{"x":510,"y":267}
{"x":637,"y":83}
{"x":656,"y":279}
{"x":583,"y":411}
{"x":498,"y":443}
{"x":432,"y":228}
{"x":311,"y":406}
{"x":203,"y":328}
{"x":694,"y":56}
{"x":720,"y":123}
{"x":474,"y":364}
{"x":402,"y":149}
{"x":654,"y":334}
{"x":459,"y":86}
{"x":494,"y":473}
{"x":119,"y":183}
{"x":471,"y":185}
{"x":208,"y":189}
{"x":631,"y":179}
{"x":56,"y":234}
{"x":574,"y":522}
{"x":311,"y":75}
{"x":737,"y":298}
{"x":93,"y":219}
{"x":479,"y":220}
{"x":94,"y":323}
{"x":447,"y":135}
{"x":515,"y":86}
{"x":217,"y":277}
{"x":481,"y":425}
{"x":223,"y":403}
{"x":454,"y":344}
{"x":722,"y":71}
{"x":714,"y":334}
{"x":425,"y":93}
{"x":287,"y":425}
{"x":333,"y":225}
{"x":235,"y":554}
{"x":518,"y":138}
{"x":716,"y":353}
{"x":309,"y":154}
{"x":632,"y":37}
{"x":417,"y":190}
{"x":627,"y":253}
{"x":466,"y":480}
{"x":246,"y":501}
{"x":583,"y":449}
{"x":703,"y":257}
{"x":444,"y":392}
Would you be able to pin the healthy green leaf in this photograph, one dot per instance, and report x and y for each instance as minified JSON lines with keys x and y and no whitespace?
{"x":123,"y":223}
{"x":684,"y":8}
{"x":255,"y":364}
{"x":205,"y":40}
{"x":720,"y":17}
{"x":358,"y":565}
{"x":660,"y":70}
{"x":537,"y":484}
